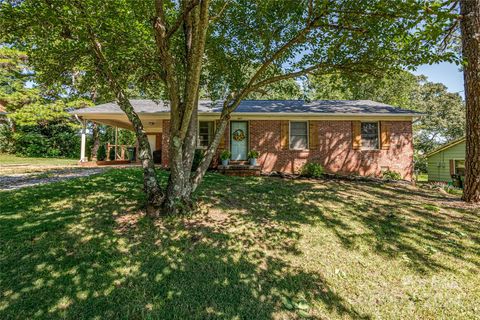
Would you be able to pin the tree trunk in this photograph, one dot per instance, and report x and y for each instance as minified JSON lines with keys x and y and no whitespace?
{"x":184,"y":102}
{"x":95,"y":142}
{"x":179,"y":188}
{"x":470,"y":25}
{"x":151,"y":186}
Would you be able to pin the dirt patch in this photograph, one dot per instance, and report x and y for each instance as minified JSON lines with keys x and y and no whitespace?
{"x":128,"y":221}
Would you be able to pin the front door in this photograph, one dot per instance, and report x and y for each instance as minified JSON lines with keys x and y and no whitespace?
{"x":239,"y":139}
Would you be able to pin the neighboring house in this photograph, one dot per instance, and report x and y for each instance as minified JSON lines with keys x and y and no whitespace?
{"x":347,"y":137}
{"x":447,"y":160}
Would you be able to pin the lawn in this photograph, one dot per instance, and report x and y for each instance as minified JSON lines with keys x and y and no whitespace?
{"x":422,"y":177}
{"x":10,"y":159}
{"x":12,"y":164}
{"x":263,"y":248}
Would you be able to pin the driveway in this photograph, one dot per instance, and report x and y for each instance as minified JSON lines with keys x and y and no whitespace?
{"x":15,"y":181}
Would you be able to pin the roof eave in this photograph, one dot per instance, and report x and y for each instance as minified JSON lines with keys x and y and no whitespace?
{"x":445,"y":147}
{"x":413,"y":115}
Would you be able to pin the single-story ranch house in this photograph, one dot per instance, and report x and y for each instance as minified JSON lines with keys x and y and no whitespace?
{"x":347,"y":137}
{"x":447,"y":160}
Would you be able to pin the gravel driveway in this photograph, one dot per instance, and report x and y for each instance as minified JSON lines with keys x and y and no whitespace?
{"x":21,"y":180}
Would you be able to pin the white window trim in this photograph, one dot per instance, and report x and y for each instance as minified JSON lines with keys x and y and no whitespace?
{"x":379,"y":132}
{"x":290,"y":135}
{"x":198,"y":133}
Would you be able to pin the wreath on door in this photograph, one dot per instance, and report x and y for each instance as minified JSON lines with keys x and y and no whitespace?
{"x":238,"y":135}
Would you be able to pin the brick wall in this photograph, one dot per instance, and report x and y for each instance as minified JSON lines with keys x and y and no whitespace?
{"x":334,"y":150}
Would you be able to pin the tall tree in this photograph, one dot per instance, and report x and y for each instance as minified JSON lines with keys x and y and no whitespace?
{"x":38,"y":122}
{"x":233,"y":47}
{"x":14,"y":76}
{"x":470,"y":26}
{"x":444,"y":118}
{"x":391,"y":87}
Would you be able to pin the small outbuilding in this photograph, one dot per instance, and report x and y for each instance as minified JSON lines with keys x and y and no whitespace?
{"x":446,"y":161}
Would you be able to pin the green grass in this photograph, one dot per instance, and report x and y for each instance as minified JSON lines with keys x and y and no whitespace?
{"x":422,"y":177}
{"x":9,"y":159}
{"x":264,"y":248}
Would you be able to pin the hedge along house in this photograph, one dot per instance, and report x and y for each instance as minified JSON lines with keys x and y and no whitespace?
{"x":347,"y":137}
{"x":447,"y":160}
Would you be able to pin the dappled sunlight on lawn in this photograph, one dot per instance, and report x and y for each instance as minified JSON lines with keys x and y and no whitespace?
{"x":261,"y":248}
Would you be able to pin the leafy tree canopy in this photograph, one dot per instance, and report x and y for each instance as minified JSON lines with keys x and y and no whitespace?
{"x":40,"y":124}
{"x":14,"y":76}
{"x":352,"y":35}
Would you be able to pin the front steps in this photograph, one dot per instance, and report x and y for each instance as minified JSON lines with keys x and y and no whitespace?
{"x":240,"y":169}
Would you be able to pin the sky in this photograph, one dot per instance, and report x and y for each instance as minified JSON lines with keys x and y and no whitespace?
{"x":447,"y":73}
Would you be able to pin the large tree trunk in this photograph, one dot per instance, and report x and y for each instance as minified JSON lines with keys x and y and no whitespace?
{"x":470,"y":25}
{"x":184,"y":100}
{"x":151,"y":186}
{"x":155,"y":196}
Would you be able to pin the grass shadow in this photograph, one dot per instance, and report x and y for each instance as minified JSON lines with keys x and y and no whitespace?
{"x":83,"y":249}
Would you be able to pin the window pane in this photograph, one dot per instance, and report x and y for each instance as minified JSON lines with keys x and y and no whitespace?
{"x":205,"y":132}
{"x":298,"y":128}
{"x":298,"y":142}
{"x":460,"y":167}
{"x":298,"y":135}
{"x":370,"y":135}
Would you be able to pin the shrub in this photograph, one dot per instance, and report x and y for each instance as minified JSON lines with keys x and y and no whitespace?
{"x":111,"y":155}
{"x":7,"y":144}
{"x":31,"y":144}
{"x":101,"y":153}
{"x":391,"y":175}
{"x":420,"y":163}
{"x":225,"y":155}
{"x":54,"y":140}
{"x":312,"y":170}
{"x":197,"y":157}
{"x":253,"y":154}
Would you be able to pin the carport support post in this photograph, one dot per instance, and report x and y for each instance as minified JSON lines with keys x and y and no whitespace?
{"x":83,"y":158}
{"x":116,"y":142}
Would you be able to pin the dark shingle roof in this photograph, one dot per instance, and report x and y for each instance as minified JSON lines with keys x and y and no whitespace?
{"x":340,"y":107}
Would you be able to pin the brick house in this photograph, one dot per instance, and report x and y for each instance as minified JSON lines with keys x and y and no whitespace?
{"x":347,"y":137}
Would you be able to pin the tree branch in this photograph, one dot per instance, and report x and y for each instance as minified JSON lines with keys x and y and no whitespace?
{"x":311,"y":69}
{"x":286,"y":76}
{"x":194,"y":65}
{"x":277,"y":54}
{"x":312,"y":24}
{"x":219,"y":14}
{"x":166,"y":60}
{"x":191,"y":5}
